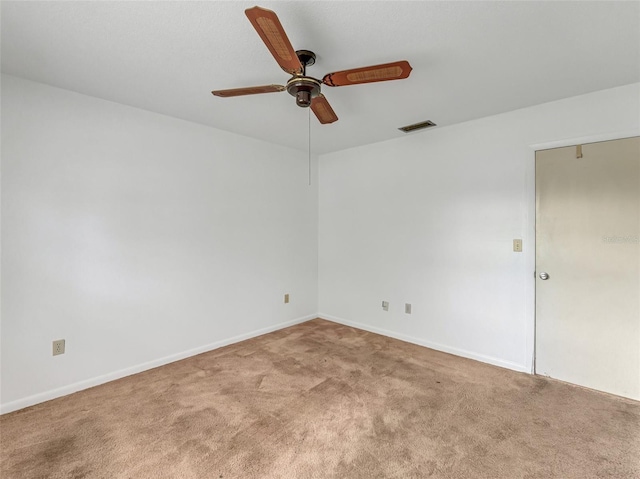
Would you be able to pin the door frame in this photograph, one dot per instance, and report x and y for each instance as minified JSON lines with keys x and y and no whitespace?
{"x":530,"y":226}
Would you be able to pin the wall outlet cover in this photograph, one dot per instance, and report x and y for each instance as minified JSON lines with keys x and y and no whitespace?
{"x":385,"y":305}
{"x":58,"y":347}
{"x":407,"y":308}
{"x":286,"y":298}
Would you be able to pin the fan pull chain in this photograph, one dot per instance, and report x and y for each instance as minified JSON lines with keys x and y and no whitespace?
{"x":309,"y":146}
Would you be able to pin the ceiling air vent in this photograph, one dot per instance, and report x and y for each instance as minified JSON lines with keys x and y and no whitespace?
{"x":417,"y":126}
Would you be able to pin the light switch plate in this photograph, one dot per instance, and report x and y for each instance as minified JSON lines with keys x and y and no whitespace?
{"x":385,"y":305}
{"x":517,"y":245}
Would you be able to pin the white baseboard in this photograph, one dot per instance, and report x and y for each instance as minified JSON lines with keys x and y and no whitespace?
{"x":88,"y":383}
{"x":429,"y":344}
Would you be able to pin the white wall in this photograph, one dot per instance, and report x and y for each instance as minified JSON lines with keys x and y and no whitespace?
{"x":139,"y":239}
{"x":429,"y":219}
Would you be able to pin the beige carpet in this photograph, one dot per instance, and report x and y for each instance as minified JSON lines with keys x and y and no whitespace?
{"x":321,"y":400}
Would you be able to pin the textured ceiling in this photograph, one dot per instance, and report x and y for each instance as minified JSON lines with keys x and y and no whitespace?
{"x":469,"y":59}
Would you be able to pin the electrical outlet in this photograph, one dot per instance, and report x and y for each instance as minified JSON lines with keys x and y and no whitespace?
{"x":385,"y":305}
{"x":58,"y":347}
{"x":286,"y":298}
{"x":517,"y":245}
{"x":407,"y":308}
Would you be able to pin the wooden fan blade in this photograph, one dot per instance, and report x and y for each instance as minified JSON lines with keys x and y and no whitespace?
{"x":384,"y":72}
{"x":252,"y":90}
{"x":270,"y":30}
{"x":323,"y":110}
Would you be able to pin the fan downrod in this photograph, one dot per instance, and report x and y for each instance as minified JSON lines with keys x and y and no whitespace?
{"x":307,"y":58}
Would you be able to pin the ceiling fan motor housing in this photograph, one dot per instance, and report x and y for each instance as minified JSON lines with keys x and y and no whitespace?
{"x":304,"y":89}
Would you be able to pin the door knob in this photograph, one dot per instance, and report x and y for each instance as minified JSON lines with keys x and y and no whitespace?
{"x":544,"y":276}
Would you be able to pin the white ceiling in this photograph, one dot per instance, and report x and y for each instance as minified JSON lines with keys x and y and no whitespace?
{"x":469,"y":59}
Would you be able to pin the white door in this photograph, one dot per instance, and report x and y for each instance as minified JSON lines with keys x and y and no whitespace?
{"x":588,"y":249}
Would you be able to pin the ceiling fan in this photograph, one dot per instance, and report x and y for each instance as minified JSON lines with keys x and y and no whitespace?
{"x":306,"y":89}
